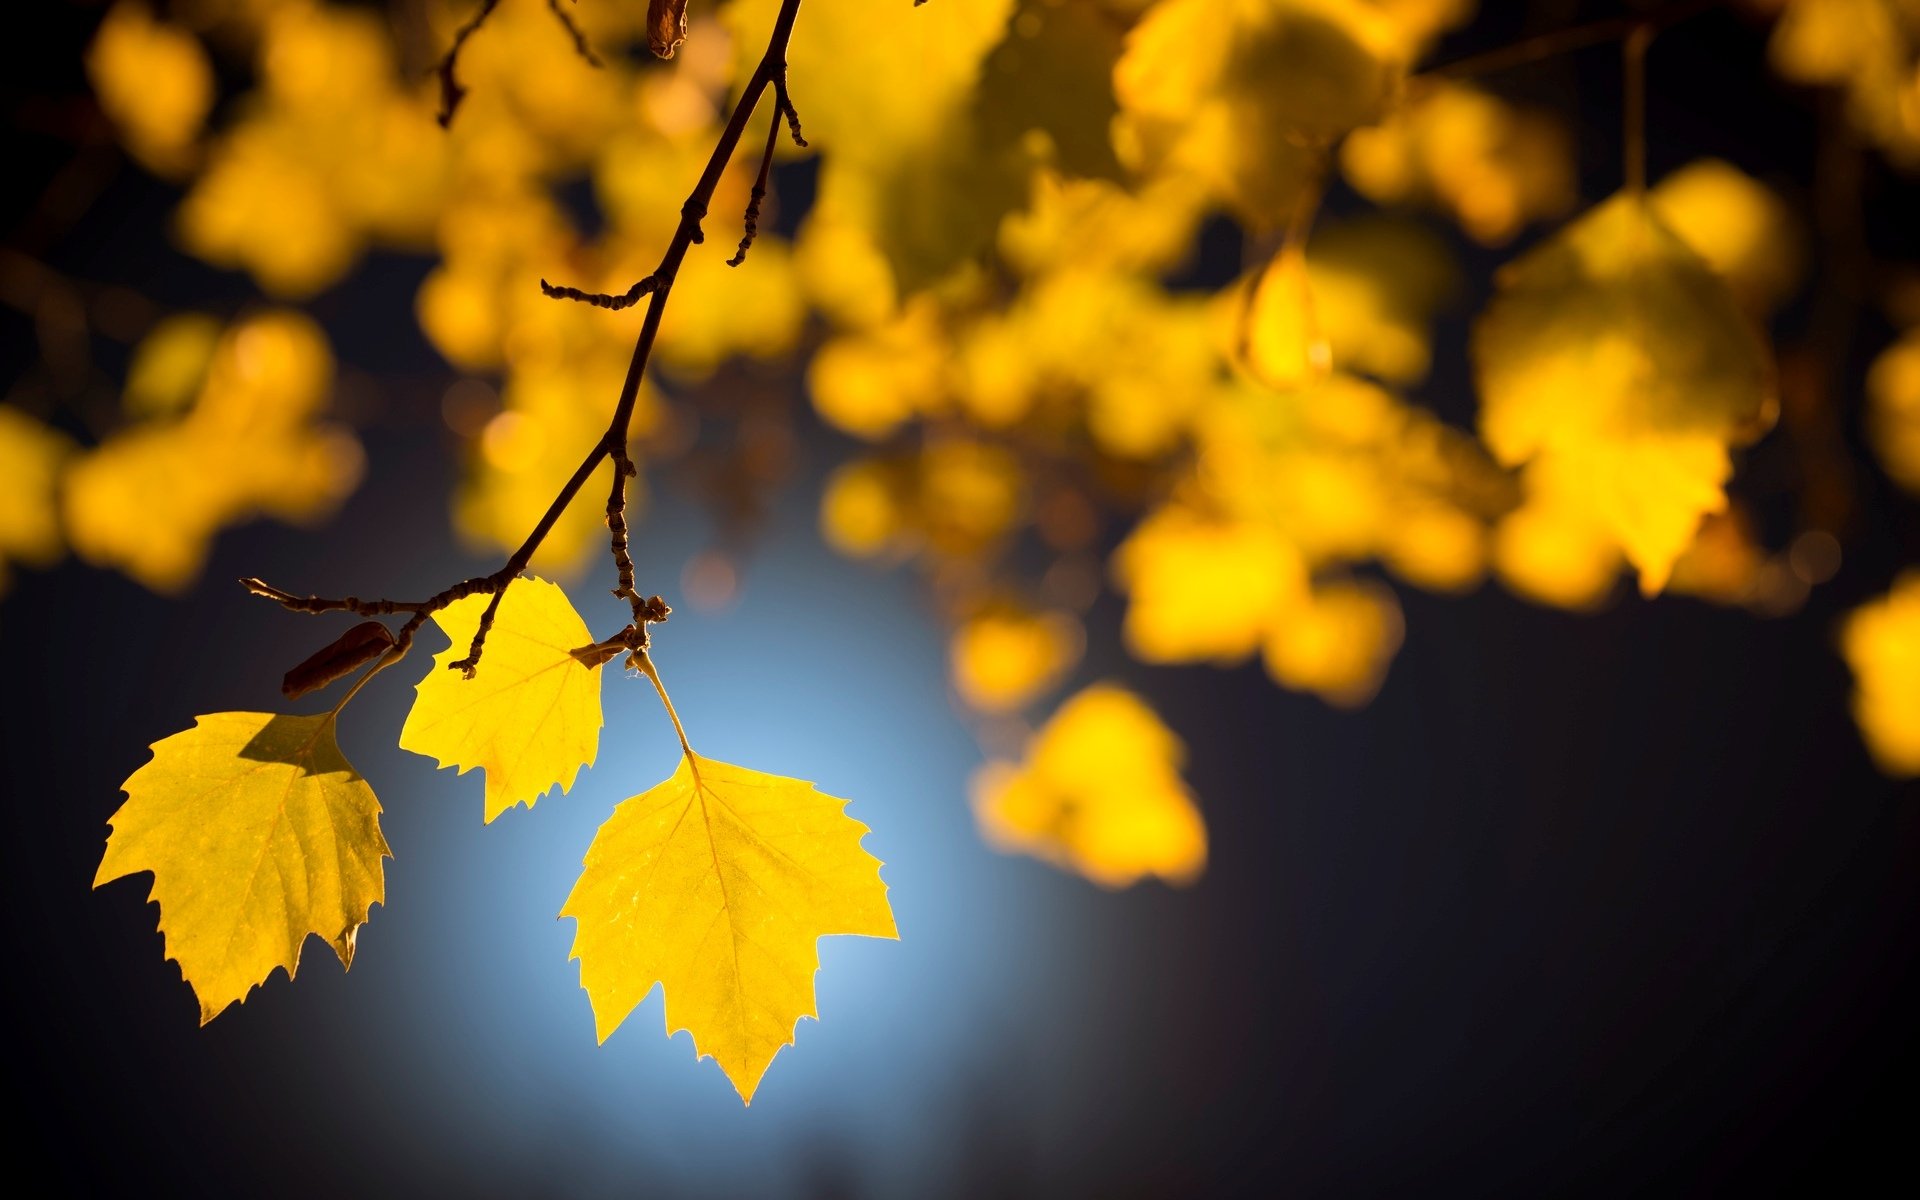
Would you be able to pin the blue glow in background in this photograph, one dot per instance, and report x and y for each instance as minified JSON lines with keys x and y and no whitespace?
{"x":1579,"y":905}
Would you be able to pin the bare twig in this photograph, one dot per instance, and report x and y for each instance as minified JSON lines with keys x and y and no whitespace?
{"x":759,"y":192}
{"x":580,"y":44}
{"x":612,"y":445}
{"x":784,"y":100}
{"x":1565,"y":41}
{"x":451,"y":93}
{"x":626,"y":299}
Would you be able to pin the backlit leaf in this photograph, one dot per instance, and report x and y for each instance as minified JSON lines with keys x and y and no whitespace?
{"x":1616,"y":362}
{"x":718,"y":885}
{"x":530,"y":716}
{"x":258,"y":832}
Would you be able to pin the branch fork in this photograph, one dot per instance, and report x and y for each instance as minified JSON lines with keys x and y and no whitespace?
{"x":771,"y":74}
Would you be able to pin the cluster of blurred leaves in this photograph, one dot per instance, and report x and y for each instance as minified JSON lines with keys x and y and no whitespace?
{"x":991,"y":293}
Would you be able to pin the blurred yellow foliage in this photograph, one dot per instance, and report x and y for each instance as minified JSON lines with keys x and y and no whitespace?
{"x":170,"y":364}
{"x":1281,"y":335}
{"x":1337,"y":642}
{"x":1881,"y":641}
{"x":155,"y":83}
{"x":1100,"y":793}
{"x":31,"y":456}
{"x":1619,"y":370}
{"x":332,"y":152}
{"x":149,"y":499}
{"x":1869,"y":48}
{"x":1247,"y":95}
{"x":1492,"y":166}
{"x":1893,"y":409}
{"x":1005,"y":657}
{"x":1737,"y":224}
{"x":1203,"y":587}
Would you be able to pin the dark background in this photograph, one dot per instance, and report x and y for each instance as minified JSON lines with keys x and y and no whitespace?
{"x":1578,"y":905}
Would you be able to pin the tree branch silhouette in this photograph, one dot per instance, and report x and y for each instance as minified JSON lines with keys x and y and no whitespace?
{"x":769,"y":75}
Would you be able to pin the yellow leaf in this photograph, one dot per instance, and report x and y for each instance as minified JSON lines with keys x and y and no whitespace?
{"x":861,"y":510}
{"x":1493,"y":166}
{"x":1615,"y":360}
{"x":530,"y":716}
{"x":1280,"y":336}
{"x":1376,"y":285}
{"x":1893,"y":409}
{"x":1100,"y":794}
{"x":170,"y":364}
{"x":718,"y":884}
{"x":31,"y":457}
{"x":1336,"y":642}
{"x":1553,"y":555}
{"x":1245,"y":94}
{"x":1201,"y":587}
{"x":154,"y":81}
{"x":1736,"y":223}
{"x":149,"y":499}
{"x":1881,"y":641}
{"x":1003,"y":658}
{"x":258,"y":832}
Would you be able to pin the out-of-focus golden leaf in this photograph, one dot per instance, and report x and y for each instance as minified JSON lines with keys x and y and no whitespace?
{"x":258,"y":832}
{"x":1735,"y":222}
{"x":1202,"y":587}
{"x":1281,"y":337}
{"x":149,"y":499}
{"x":1560,"y":556}
{"x":1492,"y":166}
{"x":718,"y":885}
{"x":31,"y":457}
{"x":1246,"y":94}
{"x":861,"y":509}
{"x":1621,"y":368}
{"x":1336,"y":641}
{"x":1100,"y":793}
{"x":1098,"y":224}
{"x":154,"y":82}
{"x":530,"y":716}
{"x":1893,"y":409}
{"x":870,"y":383}
{"x":1377,"y":284}
{"x":170,"y":364}
{"x":1869,"y":48}
{"x":1881,"y":641}
{"x":332,"y":154}
{"x":1003,"y":658}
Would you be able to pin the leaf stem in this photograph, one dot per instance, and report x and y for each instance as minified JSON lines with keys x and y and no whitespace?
{"x":1565,"y":41}
{"x":1633,"y":106}
{"x":645,"y":664}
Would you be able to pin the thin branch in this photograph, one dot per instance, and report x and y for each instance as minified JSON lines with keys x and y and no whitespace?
{"x":1565,"y":41}
{"x":580,"y":43}
{"x":1633,"y":107}
{"x":645,"y":663}
{"x":626,"y":299}
{"x":759,"y":192}
{"x":770,"y":73}
{"x":451,"y":93}
{"x":784,"y":100}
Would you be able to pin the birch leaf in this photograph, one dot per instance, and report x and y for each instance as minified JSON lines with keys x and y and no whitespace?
{"x":718,"y":884}
{"x":258,"y":832}
{"x":530,"y":716}
{"x":1614,"y":353}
